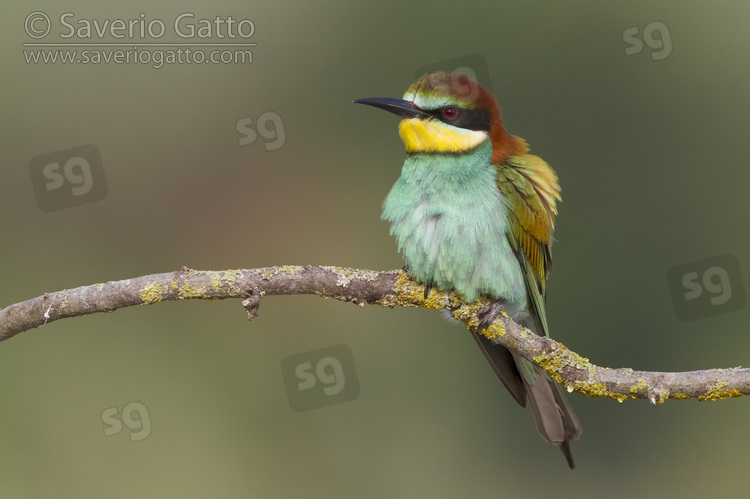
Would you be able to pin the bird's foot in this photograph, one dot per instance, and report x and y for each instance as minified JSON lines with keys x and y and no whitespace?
{"x":488,"y":314}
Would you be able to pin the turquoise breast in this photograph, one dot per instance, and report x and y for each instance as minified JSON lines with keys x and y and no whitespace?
{"x":451,"y":223}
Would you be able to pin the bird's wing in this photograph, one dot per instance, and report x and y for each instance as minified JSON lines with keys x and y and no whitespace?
{"x":532,"y":191}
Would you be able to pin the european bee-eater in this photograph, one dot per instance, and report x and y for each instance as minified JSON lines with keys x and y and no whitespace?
{"x":474,"y":213}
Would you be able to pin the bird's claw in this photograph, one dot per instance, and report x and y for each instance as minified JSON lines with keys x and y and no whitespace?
{"x":488,"y":314}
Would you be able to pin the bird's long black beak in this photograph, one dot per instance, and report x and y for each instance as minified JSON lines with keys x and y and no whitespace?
{"x":399,"y":107}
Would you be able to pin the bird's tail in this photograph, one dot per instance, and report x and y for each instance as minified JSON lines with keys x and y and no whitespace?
{"x":555,"y":420}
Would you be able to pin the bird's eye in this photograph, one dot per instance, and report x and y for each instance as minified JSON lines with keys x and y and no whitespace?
{"x":450,"y":112}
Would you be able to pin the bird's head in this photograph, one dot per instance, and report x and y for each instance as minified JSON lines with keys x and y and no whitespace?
{"x":446,"y":113}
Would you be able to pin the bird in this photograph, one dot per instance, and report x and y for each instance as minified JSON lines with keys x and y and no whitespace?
{"x":473,"y":212}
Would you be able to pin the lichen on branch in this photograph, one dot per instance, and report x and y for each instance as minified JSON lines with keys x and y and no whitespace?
{"x":388,"y":289}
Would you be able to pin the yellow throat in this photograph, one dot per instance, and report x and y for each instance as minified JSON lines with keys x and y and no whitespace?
{"x":420,"y":135}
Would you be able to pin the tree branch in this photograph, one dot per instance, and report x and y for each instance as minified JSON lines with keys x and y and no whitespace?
{"x":388,"y":289}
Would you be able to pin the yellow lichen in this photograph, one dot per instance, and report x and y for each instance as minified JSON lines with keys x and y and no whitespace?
{"x":593,"y":389}
{"x":719,"y":392}
{"x":561,"y":357}
{"x":554,"y":362}
{"x":408,"y":292}
{"x":226,"y":277}
{"x":640,"y":385}
{"x":494,"y":331}
{"x":153,"y":293}
{"x":188,"y":291}
{"x":268,"y":272}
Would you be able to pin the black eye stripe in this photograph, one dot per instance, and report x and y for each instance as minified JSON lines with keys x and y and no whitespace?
{"x":470,"y":119}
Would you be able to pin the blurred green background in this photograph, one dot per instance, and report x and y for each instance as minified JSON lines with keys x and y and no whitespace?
{"x":651,"y":150}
